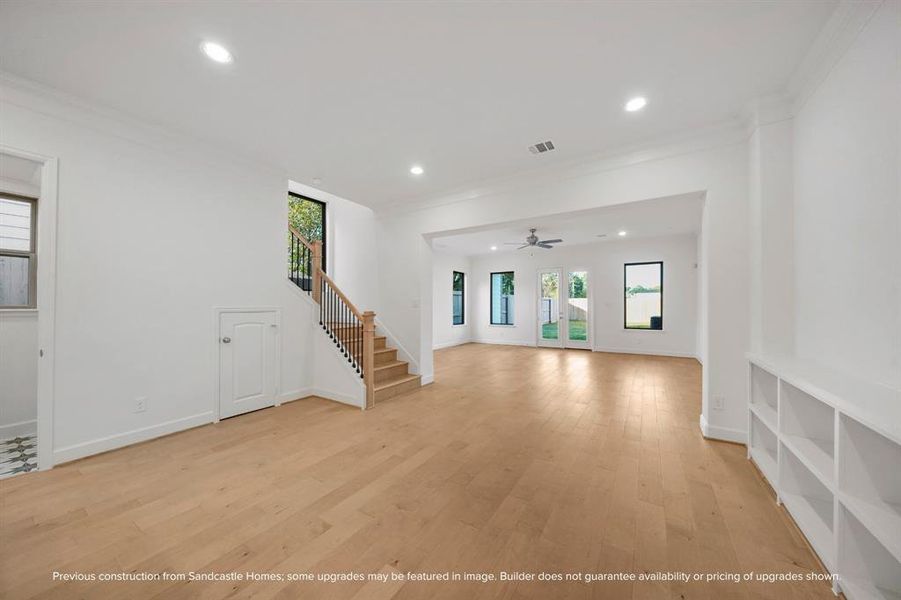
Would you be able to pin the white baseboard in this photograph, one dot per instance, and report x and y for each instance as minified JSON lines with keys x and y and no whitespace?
{"x":294,"y":395}
{"x":337,"y":397}
{"x":505,"y":342}
{"x":128,"y":438}
{"x":450,"y":344}
{"x":647,"y":352}
{"x":18,"y":429}
{"x":725,"y":434}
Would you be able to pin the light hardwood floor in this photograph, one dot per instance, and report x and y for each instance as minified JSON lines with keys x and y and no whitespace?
{"x":516,"y":459}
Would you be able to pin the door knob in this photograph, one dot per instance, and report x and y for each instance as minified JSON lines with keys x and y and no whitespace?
{"x":226,"y":340}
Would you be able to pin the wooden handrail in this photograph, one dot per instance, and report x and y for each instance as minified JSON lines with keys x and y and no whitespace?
{"x":334,"y":286}
{"x":300,"y":237}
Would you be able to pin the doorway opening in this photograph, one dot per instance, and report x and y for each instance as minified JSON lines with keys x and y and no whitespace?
{"x":27,"y":283}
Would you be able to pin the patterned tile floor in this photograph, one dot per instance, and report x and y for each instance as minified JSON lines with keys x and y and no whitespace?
{"x":18,"y":455}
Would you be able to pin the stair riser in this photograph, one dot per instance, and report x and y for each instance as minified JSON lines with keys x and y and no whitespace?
{"x":385,"y":357}
{"x":397,"y":390}
{"x":390,"y":373}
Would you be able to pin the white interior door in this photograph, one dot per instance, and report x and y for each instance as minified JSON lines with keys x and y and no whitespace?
{"x":551,"y":320}
{"x":577,"y":312}
{"x":247,"y":361}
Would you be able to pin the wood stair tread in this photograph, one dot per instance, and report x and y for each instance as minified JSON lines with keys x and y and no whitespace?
{"x":396,"y":381}
{"x":388,"y":365}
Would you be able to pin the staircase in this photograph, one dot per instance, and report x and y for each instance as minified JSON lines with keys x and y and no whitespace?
{"x":353,"y":331}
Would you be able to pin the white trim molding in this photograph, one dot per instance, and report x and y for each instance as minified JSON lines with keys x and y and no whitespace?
{"x":831,"y":44}
{"x":120,"y":440}
{"x":18,"y":429}
{"x":451,"y":344}
{"x":723,"y":434}
{"x":646,"y":352}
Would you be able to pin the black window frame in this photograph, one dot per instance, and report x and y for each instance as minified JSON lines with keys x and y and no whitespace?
{"x":510,"y":320}
{"x":625,"y":288}
{"x":462,"y":298}
{"x":324,"y":224}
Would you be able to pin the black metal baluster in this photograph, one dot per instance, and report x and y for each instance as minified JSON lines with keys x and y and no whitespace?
{"x":347,"y":333}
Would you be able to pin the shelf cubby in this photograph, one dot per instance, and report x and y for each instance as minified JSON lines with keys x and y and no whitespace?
{"x":810,"y":503}
{"x":807,"y":426}
{"x":869,"y":571}
{"x":764,"y":448}
{"x":765,"y":396}
{"x":870,"y":481}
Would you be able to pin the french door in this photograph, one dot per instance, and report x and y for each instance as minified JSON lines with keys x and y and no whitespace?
{"x":564,"y":308}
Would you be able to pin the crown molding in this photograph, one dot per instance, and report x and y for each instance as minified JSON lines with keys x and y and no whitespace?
{"x":833,"y":41}
{"x":723,"y":134}
{"x":54,"y":103}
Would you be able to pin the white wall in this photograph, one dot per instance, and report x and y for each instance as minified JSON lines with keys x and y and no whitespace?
{"x":604,"y":262}
{"x":18,"y":372}
{"x":847,"y":224}
{"x":152,"y":234}
{"x":772,"y":236}
{"x":444,"y":332}
{"x":719,"y":167}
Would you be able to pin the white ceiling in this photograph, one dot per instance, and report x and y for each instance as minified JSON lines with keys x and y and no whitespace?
{"x":356,"y":92}
{"x":672,"y":215}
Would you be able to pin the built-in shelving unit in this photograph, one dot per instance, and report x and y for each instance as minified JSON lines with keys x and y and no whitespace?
{"x":830,"y":445}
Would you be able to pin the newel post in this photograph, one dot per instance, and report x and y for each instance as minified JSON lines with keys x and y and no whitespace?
{"x":369,"y":357}
{"x":316,"y":266}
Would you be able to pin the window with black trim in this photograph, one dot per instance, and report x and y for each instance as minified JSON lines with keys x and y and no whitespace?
{"x":307,"y":216}
{"x":458,"y":298}
{"x":18,"y":251}
{"x":643,"y":305}
{"x":502,"y":292}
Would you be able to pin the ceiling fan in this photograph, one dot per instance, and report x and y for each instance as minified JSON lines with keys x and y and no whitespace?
{"x":532,"y":240}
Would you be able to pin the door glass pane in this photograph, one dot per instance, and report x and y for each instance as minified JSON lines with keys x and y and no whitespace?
{"x":14,"y":280}
{"x":15,"y":225}
{"x":550,"y":298}
{"x":577,"y":306}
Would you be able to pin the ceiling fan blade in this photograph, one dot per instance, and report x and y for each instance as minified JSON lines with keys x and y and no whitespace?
{"x":550,"y":241}
{"x":512,"y":243}
{"x":523,"y":246}
{"x":540,"y":245}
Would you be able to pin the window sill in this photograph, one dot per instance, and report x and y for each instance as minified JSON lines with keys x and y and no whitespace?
{"x":23,"y":312}
{"x":642,"y":329}
{"x":460,"y":325}
{"x":500,"y":325}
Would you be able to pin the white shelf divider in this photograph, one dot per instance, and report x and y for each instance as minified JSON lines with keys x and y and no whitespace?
{"x":830,"y":445}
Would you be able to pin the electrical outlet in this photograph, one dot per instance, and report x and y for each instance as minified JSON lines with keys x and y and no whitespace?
{"x":141,"y":404}
{"x":718,"y":403}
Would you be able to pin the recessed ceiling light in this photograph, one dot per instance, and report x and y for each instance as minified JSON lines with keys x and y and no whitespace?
{"x":621,"y":233}
{"x":317,"y":180}
{"x":494,"y":247}
{"x":636,"y":104}
{"x":217,"y":52}
{"x":417,"y":170}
